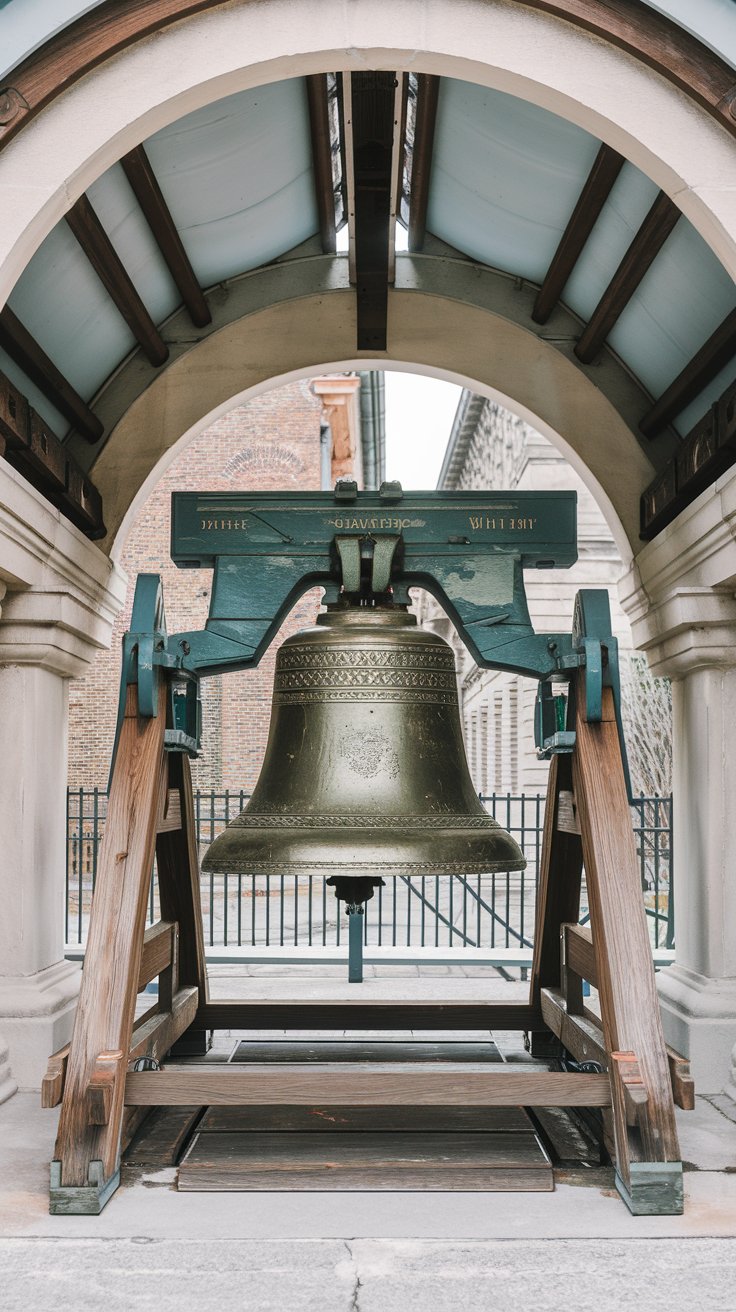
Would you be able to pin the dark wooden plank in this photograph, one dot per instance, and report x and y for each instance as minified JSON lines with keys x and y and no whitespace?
{"x":104,"y":1018}
{"x":298,"y":1014}
{"x":300,"y":1050}
{"x":428,"y":90}
{"x":580,"y":1035}
{"x":319,"y":130}
{"x":371,"y":104}
{"x":109,"y":268}
{"x":23,"y":348}
{"x":140,"y":175}
{"x":579,"y":952}
{"x":641,"y":253}
{"x":606,"y":168}
{"x":360,"y":1084}
{"x":163,"y":1136}
{"x":177,"y":864}
{"x":628,"y":996}
{"x":368,"y":1160}
{"x":558,"y":888}
{"x":713,"y":356}
{"x":388,"y":1120}
{"x":158,"y":945}
{"x":101,"y":33}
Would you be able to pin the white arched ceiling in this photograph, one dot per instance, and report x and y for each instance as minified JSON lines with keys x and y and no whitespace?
{"x":298,"y":338}
{"x":504,"y":48}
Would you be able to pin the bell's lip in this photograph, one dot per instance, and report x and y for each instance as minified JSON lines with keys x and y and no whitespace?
{"x":360,"y":852}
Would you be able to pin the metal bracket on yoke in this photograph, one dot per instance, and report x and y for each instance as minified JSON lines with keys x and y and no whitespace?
{"x":468,"y":549}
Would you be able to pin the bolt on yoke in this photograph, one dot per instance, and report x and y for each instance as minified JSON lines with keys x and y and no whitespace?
{"x":468,"y":549}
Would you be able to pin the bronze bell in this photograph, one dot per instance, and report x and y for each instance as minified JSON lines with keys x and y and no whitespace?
{"x":365,"y":772}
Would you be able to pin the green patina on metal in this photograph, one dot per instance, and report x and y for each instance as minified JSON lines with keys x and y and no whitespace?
{"x":469,"y":549}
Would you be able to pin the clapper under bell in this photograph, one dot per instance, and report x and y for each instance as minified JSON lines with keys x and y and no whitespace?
{"x":365,"y":773}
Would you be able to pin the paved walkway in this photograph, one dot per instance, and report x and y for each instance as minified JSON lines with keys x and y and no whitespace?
{"x":577,"y":1248}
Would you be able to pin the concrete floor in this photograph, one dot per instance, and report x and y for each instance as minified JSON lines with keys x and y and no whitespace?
{"x":577,"y":1248}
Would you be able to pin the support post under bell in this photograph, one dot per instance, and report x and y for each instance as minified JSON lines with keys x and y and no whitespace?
{"x":355,"y":892}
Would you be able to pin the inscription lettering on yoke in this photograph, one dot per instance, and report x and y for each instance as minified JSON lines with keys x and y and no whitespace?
{"x":220,"y":525}
{"x":503,"y":523}
{"x":370,"y":524}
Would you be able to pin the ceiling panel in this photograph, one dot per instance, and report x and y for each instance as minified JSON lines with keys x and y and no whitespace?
{"x":505,"y":177}
{"x":237,"y":176}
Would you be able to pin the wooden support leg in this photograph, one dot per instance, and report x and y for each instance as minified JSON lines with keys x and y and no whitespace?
{"x":648,"y":1169}
{"x":177,"y":862}
{"x":86,"y":1169}
{"x":558,"y":892}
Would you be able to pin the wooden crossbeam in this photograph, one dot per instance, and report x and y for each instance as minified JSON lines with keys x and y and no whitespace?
{"x":140,"y":175}
{"x":157,"y":953}
{"x":319,"y":130}
{"x":22,"y":347}
{"x":37,"y":453}
{"x":641,"y":253}
{"x":391,"y":1014}
{"x":428,"y":90}
{"x":372,"y":175}
{"x":606,"y":167}
{"x":713,"y":355}
{"x":361,"y":1085}
{"x":109,"y":268}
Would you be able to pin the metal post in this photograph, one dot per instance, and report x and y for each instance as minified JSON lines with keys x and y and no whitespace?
{"x":355,"y":943}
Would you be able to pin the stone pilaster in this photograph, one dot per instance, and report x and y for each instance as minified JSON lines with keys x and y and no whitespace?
{"x":681,"y":599}
{"x":61,"y":597}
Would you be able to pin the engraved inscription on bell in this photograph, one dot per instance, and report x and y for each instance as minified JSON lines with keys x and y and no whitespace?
{"x":365,"y":771}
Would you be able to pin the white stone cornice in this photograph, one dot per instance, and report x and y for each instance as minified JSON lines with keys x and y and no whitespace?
{"x":680,"y":592}
{"x":63,"y":593}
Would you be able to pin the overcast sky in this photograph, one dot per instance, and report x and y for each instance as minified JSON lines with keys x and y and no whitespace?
{"x":419,"y":415}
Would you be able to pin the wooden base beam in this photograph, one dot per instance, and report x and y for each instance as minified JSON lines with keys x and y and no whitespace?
{"x":388,"y":1015}
{"x":357,"y":1084}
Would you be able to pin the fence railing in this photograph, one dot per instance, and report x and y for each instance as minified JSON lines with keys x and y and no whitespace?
{"x":494,"y":911}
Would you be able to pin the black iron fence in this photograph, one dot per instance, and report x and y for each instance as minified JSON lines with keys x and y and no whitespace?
{"x":494,"y":911}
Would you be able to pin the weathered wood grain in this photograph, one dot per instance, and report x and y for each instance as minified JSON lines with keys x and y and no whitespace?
{"x":104,"y":1019}
{"x":157,"y":951}
{"x":629,"y":1004}
{"x":362,"y":1085}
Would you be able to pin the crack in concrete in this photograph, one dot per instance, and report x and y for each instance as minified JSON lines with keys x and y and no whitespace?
{"x":358,"y":1285}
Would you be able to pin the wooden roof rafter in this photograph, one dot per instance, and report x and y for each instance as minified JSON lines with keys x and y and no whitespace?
{"x":319,"y":130}
{"x":641,"y":253}
{"x":705,"y":365}
{"x":114,"y":277}
{"x":428,"y":89}
{"x":23,"y":348}
{"x":372,"y":114}
{"x":598,"y":185}
{"x":137,"y":168}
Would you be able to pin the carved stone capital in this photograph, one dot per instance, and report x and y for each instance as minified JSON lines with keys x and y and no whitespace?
{"x":61,"y":592}
{"x":680,"y":592}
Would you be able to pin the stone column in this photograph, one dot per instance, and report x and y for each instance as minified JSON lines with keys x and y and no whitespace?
{"x":681,"y":598}
{"x":61,"y":597}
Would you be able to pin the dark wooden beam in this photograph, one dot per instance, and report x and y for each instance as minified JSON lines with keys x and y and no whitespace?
{"x":643,"y":250}
{"x":606,"y":168}
{"x":707,"y":452}
{"x":371,"y":112}
{"x":16,"y":340}
{"x":109,"y":268}
{"x":104,"y":31}
{"x":36,"y":452}
{"x":376,"y":1015}
{"x":140,"y":175}
{"x":701,"y":370}
{"x":319,"y":128}
{"x":428,"y":90}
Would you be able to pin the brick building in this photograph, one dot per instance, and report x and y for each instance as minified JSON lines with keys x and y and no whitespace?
{"x":296,"y":438}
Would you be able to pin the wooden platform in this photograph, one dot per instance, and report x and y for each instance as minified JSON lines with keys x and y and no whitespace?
{"x":366,"y":1148}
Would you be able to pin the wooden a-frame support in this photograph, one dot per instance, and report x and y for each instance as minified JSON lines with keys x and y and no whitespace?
{"x":150,"y":809}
